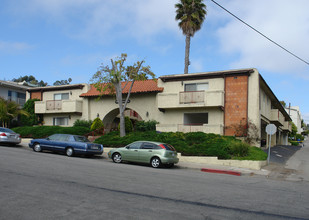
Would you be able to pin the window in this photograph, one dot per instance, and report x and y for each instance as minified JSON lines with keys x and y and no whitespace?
{"x":54,"y":137}
{"x":196,"y":87}
{"x":149,"y":146}
{"x":61,"y":121}
{"x":61,"y":96}
{"x":136,"y":145}
{"x":195,"y":118}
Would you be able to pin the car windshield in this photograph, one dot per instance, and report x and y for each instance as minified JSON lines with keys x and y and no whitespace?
{"x":6,"y":130}
{"x":81,"y":139}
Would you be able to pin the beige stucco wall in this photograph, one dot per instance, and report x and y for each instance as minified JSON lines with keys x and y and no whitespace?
{"x":74,"y":108}
{"x":49,"y":95}
{"x":173,"y":116}
{"x":254,"y":99}
{"x":175,"y":87}
{"x":141,"y":103}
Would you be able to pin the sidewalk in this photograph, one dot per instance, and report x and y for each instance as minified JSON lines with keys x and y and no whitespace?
{"x":236,"y":171}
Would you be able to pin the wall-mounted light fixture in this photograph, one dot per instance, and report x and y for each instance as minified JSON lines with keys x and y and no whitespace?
{"x":147,"y":114}
{"x":98,"y":115}
{"x":70,"y":92}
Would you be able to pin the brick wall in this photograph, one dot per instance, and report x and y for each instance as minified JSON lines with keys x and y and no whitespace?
{"x":236,"y":102}
{"x":36,"y":95}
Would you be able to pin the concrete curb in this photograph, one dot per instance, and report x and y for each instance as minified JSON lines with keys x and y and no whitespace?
{"x":221,"y":171}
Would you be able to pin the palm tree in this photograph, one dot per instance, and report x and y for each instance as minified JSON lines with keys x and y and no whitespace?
{"x":9,"y":110}
{"x":191,"y":14}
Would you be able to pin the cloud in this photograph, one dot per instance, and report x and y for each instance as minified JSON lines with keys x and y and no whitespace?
{"x":14,"y":47}
{"x":103,"y":21}
{"x":283,"y":21}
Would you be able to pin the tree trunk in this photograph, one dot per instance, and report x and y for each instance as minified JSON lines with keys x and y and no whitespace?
{"x":122,"y":125}
{"x":121,"y":109}
{"x":188,"y":38}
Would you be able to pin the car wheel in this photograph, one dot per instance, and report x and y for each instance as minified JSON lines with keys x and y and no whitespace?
{"x":69,"y":152}
{"x":155,"y":162}
{"x":169,"y":165}
{"x":117,"y":158}
{"x":37,"y":148}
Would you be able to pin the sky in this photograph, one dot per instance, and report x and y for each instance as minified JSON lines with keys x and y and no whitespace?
{"x":60,"y":39}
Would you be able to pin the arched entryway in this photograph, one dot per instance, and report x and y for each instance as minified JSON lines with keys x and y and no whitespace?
{"x":111,"y":119}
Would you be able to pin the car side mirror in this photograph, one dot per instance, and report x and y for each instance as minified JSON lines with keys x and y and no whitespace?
{"x":128,"y":147}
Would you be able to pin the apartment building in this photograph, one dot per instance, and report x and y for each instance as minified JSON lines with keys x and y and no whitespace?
{"x":13,"y":91}
{"x":295,"y":115}
{"x":60,"y":105}
{"x":216,"y":102}
{"x":211,"y":102}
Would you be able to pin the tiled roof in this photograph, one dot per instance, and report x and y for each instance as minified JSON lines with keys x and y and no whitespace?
{"x":145,"y":86}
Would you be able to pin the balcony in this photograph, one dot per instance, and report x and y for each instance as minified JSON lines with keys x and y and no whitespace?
{"x":58,"y":106}
{"x":191,"y":99}
{"x":206,"y":128}
{"x":277,"y":117}
{"x":287,"y":126}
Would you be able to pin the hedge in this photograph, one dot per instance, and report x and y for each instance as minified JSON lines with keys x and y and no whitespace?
{"x":189,"y":144}
{"x":45,"y":131}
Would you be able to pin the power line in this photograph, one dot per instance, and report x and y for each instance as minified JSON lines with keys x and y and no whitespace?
{"x":260,"y":33}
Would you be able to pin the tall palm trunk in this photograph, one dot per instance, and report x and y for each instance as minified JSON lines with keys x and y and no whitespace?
{"x":188,"y":38}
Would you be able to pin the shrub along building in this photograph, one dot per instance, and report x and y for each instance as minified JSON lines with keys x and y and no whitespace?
{"x":233,"y":102}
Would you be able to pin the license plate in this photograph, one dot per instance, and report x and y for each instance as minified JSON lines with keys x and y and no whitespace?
{"x":94,"y":148}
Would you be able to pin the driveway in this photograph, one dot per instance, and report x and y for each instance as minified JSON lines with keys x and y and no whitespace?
{"x":289,"y":162}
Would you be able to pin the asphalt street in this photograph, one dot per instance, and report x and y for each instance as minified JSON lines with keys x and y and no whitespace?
{"x":53,"y":186}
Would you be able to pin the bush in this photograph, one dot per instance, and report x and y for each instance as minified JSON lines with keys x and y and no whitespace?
{"x":45,"y":131}
{"x":299,"y":137}
{"x":294,"y":143}
{"x":239,"y":149}
{"x":128,"y":125}
{"x":254,"y":153}
{"x":97,"y":125}
{"x":83,"y":123}
{"x":146,"y":125}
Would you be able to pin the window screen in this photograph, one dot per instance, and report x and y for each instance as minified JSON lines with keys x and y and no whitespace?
{"x":61,"y":121}
{"x":196,"y":87}
{"x":61,"y":96}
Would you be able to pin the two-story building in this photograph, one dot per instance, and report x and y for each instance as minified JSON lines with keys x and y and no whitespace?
{"x":216,"y":102}
{"x":295,"y":115}
{"x":13,"y":91}
{"x":211,"y":102}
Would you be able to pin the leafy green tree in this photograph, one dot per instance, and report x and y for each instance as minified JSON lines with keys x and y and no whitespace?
{"x":32,"y":119}
{"x":191,"y":15}
{"x":62,"y":82}
{"x":30,"y":79}
{"x":294,"y":130}
{"x":116,"y":78}
{"x":283,"y":103}
{"x":8,"y":111}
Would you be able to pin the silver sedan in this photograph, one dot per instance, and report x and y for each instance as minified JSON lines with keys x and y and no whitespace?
{"x":7,"y":136}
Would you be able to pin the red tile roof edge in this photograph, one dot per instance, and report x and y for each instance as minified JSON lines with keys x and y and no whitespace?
{"x":146,"y":86}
